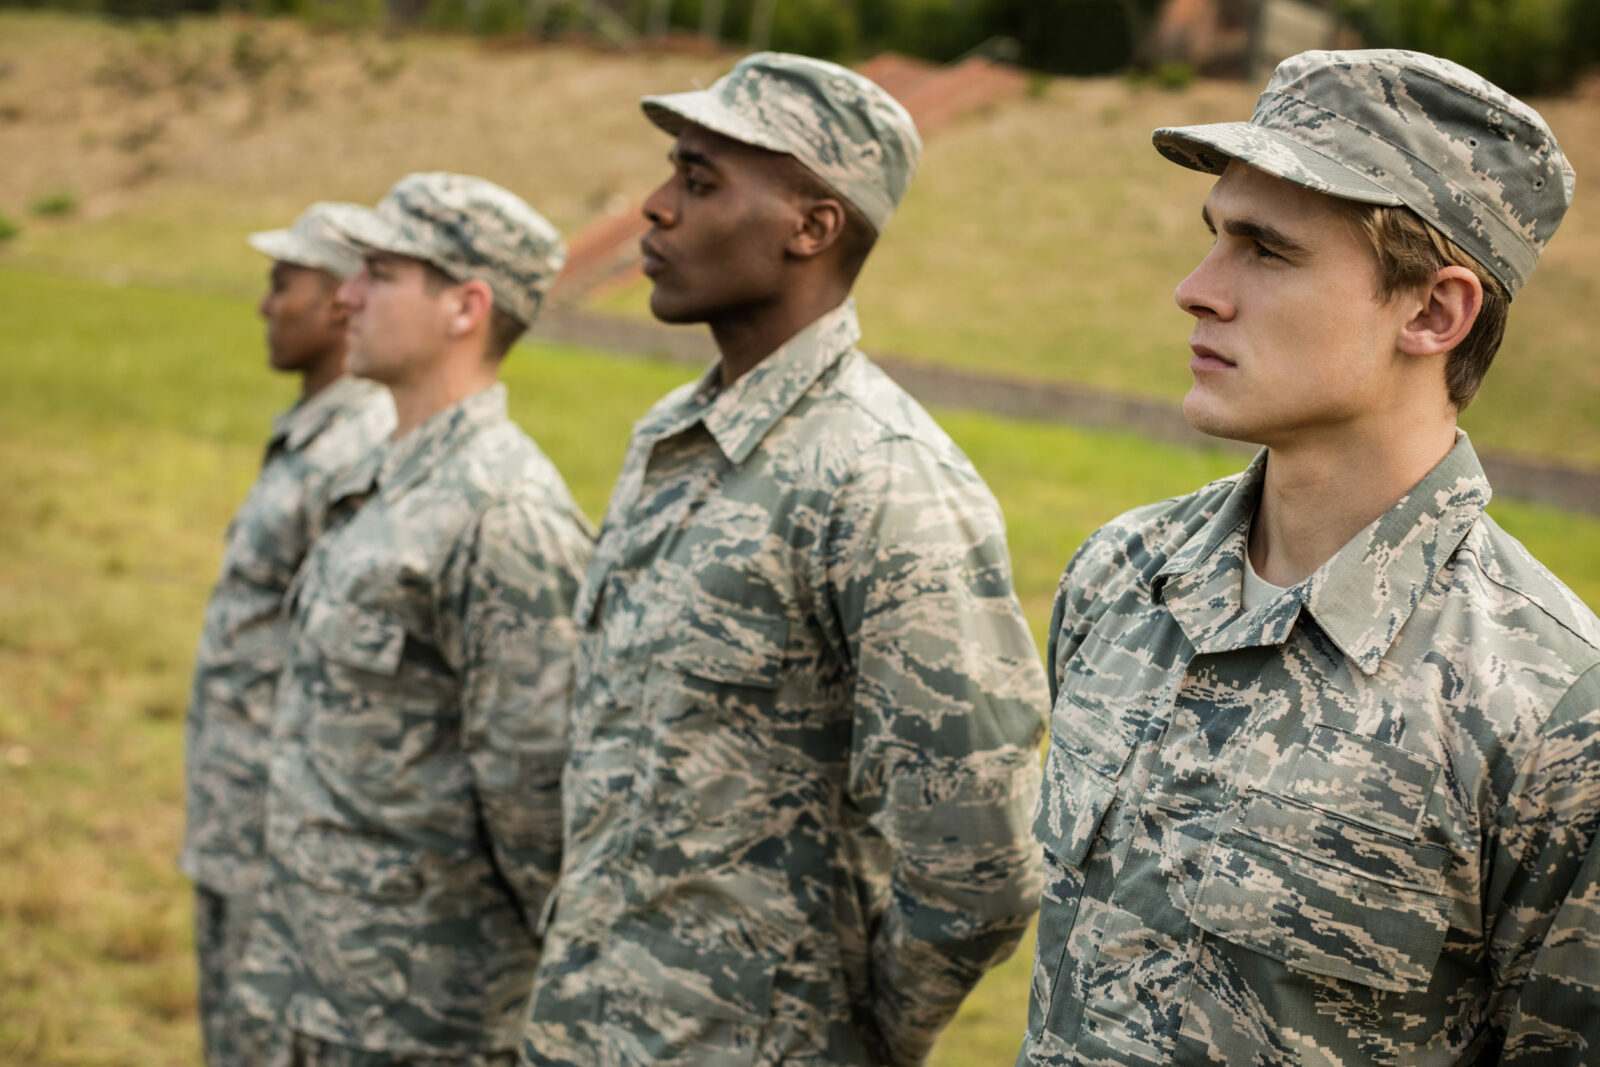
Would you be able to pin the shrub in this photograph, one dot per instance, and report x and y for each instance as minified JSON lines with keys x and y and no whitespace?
{"x":57,"y":203}
{"x":1523,"y":46}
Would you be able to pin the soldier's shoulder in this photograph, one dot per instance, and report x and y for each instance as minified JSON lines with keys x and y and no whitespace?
{"x":1506,"y":580}
{"x":1134,"y":546}
{"x":503,"y":466}
{"x":353,"y":428}
{"x":861,"y":407}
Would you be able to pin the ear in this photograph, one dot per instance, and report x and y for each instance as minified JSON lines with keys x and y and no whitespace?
{"x":470,"y":308}
{"x":1447,"y":306}
{"x":818,"y":228}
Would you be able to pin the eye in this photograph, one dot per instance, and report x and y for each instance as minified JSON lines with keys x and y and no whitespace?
{"x":1263,"y":252}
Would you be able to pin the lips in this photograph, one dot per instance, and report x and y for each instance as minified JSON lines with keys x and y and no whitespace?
{"x":654,"y":261}
{"x":1206,"y":358}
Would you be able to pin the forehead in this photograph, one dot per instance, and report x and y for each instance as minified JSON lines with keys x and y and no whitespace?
{"x":298,"y":273}
{"x":696,"y":144}
{"x":1244,"y":191}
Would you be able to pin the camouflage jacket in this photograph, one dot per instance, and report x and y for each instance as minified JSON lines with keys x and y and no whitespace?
{"x":1355,"y":825}
{"x":413,"y":823}
{"x":245,"y":640}
{"x":805,"y":733}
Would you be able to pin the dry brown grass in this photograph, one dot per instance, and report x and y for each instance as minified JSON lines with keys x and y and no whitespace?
{"x":175,"y":149}
{"x":1042,"y":238}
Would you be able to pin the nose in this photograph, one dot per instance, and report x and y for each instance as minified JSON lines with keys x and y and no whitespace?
{"x":352,"y":291}
{"x":1203,"y":293}
{"x":264,"y":305}
{"x":658,"y":207}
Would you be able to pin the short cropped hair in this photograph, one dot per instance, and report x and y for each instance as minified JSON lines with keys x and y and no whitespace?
{"x":1407,"y":252}
{"x":504,"y":329}
{"x":859,"y":235}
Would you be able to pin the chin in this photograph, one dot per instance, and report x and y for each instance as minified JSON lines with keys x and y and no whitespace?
{"x":1212,"y":422}
{"x":676,"y":313}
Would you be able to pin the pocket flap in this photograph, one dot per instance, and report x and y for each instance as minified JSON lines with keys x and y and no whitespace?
{"x":339,"y":861}
{"x":1072,"y":802}
{"x":357,"y":637}
{"x":1321,"y":919}
{"x":708,"y":980}
{"x":1367,"y":781}
{"x":729,"y":646}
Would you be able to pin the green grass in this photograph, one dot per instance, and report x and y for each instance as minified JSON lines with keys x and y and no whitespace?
{"x":1041,"y":239}
{"x":134,"y":420}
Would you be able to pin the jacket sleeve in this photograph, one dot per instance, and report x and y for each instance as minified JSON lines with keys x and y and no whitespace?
{"x":947,"y":717}
{"x":510,"y":635}
{"x":1544,"y":892}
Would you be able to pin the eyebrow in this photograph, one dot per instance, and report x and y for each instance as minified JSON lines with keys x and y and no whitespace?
{"x":1251,"y":230}
{"x":691,"y":157}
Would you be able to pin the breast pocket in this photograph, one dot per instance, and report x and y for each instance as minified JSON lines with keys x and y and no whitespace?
{"x":1327,"y":895}
{"x":357,"y":637}
{"x":711,"y":694}
{"x":714,"y":999}
{"x":351,"y":905}
{"x":1087,"y":759}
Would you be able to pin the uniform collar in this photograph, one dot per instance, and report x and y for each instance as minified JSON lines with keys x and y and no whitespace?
{"x":298,"y":425}
{"x":739,"y":416}
{"x":1360,"y":598}
{"x":410,"y":458}
{"x":1366,"y":592}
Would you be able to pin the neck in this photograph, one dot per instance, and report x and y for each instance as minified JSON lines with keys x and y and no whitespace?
{"x":1315,"y":499}
{"x":321,"y":374}
{"x":747,"y":338}
{"x":418,"y":400}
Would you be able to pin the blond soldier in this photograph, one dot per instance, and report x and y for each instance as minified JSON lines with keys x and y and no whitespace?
{"x":243,"y":646}
{"x":807,"y":710}
{"x":1324,"y":771}
{"x":414,"y":815}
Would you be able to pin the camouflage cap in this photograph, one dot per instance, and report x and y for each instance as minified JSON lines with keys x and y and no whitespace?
{"x":1384,"y":126}
{"x":842,"y":127}
{"x":311,"y":241}
{"x":471,"y":229}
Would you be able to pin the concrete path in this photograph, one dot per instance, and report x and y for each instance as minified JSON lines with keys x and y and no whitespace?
{"x":1571,"y":488}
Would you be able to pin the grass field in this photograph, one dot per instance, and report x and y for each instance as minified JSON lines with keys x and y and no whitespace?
{"x":134,"y":421}
{"x":1042,"y":238}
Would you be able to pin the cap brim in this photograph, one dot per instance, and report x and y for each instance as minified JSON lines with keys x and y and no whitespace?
{"x":674,"y":111}
{"x":367,"y":228}
{"x":278,"y":244}
{"x":1209,"y":148}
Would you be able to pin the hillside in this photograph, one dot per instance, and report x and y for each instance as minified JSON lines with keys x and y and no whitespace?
{"x":1042,"y":237}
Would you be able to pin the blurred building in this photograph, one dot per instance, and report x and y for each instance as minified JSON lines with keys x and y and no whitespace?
{"x":1242,"y":38}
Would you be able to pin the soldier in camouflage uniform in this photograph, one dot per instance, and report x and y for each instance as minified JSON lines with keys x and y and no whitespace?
{"x":243,"y":646}
{"x":1324,"y":771}
{"x":413,"y":825}
{"x":807,"y":711}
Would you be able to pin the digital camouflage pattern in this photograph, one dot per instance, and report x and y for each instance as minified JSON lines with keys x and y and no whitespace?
{"x":471,"y":229}
{"x":299,"y":1050}
{"x":243,"y":647}
{"x":312,"y":241}
{"x":805,"y":733}
{"x":414,"y":822}
{"x":1383,"y":126}
{"x":843,"y":127}
{"x":1354,"y":825}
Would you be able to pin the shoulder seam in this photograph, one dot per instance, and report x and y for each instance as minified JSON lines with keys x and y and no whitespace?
{"x":1524,"y":596}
